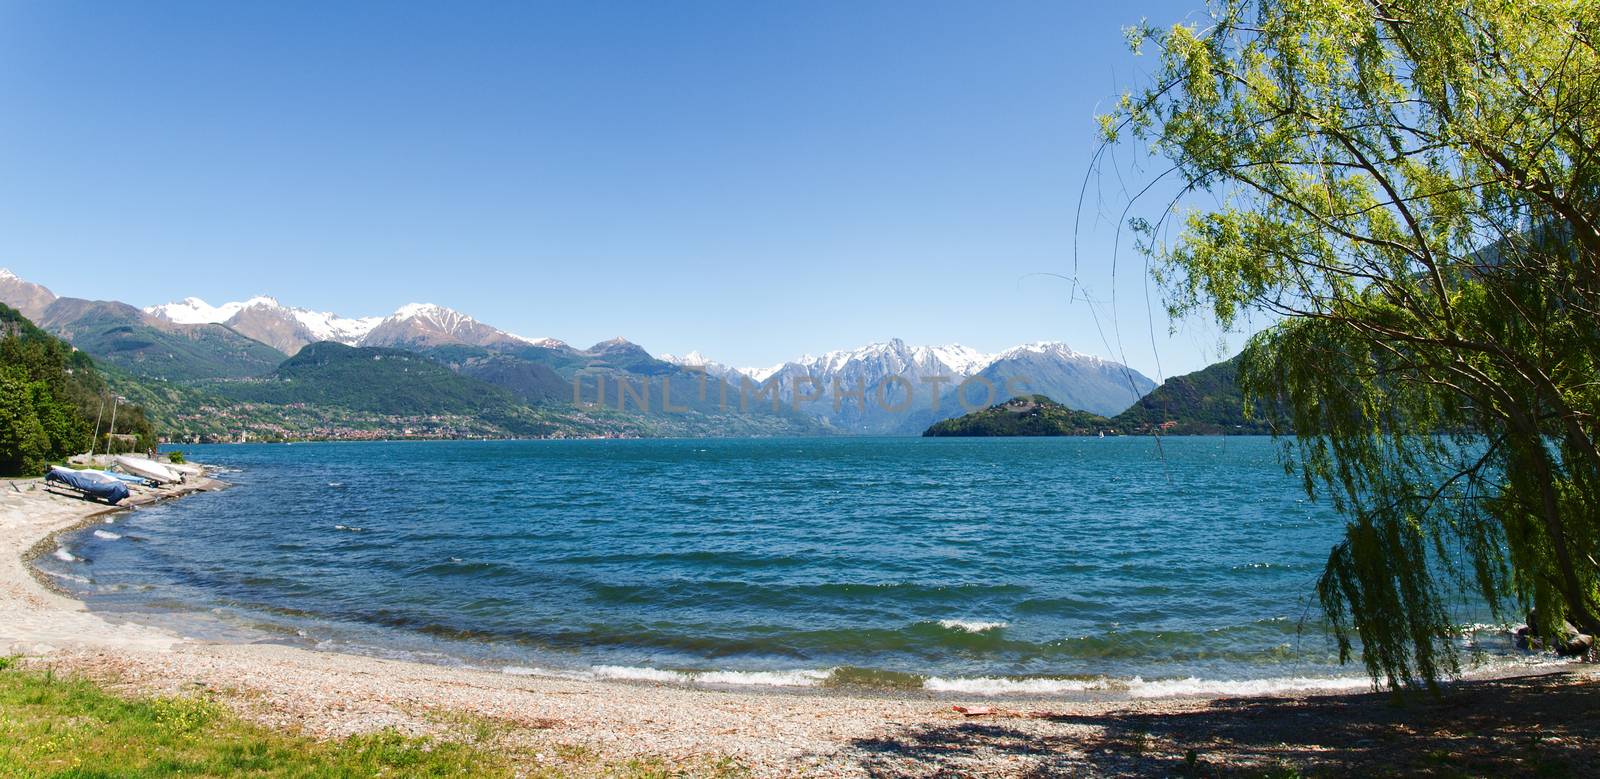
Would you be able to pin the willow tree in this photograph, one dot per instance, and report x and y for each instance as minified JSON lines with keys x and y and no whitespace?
{"x":1408,"y":191}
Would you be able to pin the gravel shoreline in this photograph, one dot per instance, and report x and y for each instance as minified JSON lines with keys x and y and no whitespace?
{"x":768,"y":733}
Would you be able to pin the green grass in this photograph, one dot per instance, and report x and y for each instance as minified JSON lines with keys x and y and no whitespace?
{"x":55,"y":726}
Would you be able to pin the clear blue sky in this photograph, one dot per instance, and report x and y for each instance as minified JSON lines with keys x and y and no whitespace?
{"x":752,"y":179}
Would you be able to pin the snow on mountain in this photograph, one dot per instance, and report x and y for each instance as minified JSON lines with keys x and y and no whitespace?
{"x":878,"y":360}
{"x":1046,"y":348}
{"x":288,"y":329}
{"x":904,"y":388}
{"x":194,"y":311}
{"x":332,"y":327}
{"x":263,"y":318}
{"x":427,"y":324}
{"x":25,"y":296}
{"x":892,"y":356}
{"x":695,"y":359}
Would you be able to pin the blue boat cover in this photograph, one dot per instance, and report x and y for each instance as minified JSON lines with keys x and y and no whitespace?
{"x":97,"y":484}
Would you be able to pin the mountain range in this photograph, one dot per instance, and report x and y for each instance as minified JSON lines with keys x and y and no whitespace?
{"x":242,"y":352}
{"x":905,"y":388}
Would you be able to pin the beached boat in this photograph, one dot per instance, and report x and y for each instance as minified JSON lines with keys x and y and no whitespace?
{"x":187,"y":469}
{"x":149,"y":469}
{"x":127,"y":478}
{"x":95,"y":483}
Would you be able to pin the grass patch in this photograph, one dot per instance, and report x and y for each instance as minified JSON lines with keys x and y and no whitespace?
{"x":55,"y":726}
{"x":67,"y":727}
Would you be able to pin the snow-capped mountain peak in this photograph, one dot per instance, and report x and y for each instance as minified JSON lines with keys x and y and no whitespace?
{"x":963,"y":360}
{"x":695,"y":359}
{"x":762,"y":374}
{"x":1047,"y":348}
{"x":894,"y":356}
{"x":194,"y":311}
{"x":434,"y":313}
{"x":332,"y":327}
{"x":416,"y":324}
{"x":265,"y":319}
{"x":692,"y":358}
{"x":5,"y":273}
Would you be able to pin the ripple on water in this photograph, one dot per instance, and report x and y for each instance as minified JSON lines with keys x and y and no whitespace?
{"x":1046,"y":565}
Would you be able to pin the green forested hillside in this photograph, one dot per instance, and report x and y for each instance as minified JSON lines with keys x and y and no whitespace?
{"x":386,"y":382}
{"x":1029,"y":415}
{"x":50,"y":396}
{"x":1206,"y":402}
{"x":121,"y":335}
{"x":531,"y":382}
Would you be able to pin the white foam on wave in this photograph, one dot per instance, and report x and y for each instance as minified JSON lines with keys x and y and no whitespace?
{"x":69,"y":577}
{"x":1174,"y":688}
{"x":800,"y":678}
{"x":105,"y":535}
{"x":1137,"y":687}
{"x":64,"y":555}
{"x":971,"y":626}
{"x":998,"y":685}
{"x":638,"y":674}
{"x":803,"y":678}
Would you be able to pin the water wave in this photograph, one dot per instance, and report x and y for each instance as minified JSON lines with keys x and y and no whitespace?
{"x":1173,"y":688}
{"x":797,"y":678}
{"x":64,"y":555}
{"x":67,"y":576}
{"x":972,"y":626}
{"x":1137,"y":687}
{"x":106,"y":536}
{"x":1000,"y":685}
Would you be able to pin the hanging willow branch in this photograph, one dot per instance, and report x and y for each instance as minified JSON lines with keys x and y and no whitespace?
{"x":1411,"y":189}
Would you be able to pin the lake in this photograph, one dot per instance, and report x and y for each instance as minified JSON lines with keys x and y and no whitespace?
{"x":1057,"y":565}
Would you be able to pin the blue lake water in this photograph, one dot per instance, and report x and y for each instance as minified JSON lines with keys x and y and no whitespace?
{"x":973,"y":565}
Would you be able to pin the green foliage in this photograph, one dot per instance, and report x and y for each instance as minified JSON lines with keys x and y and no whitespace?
{"x":1411,"y":190}
{"x":176,"y":457}
{"x":49,"y":397}
{"x":1028,"y":415}
{"x":1206,"y":402}
{"x":24,"y":445}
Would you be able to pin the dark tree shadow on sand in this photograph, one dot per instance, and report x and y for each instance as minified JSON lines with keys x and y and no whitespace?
{"x":1532,"y":726}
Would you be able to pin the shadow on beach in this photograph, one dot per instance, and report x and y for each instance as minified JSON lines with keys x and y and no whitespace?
{"x":1529,"y":726}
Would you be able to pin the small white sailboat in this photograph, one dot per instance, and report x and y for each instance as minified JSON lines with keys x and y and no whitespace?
{"x":148,"y":469}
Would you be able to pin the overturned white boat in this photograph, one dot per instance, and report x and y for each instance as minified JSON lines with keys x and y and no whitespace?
{"x":187,"y":469}
{"x":148,"y":469}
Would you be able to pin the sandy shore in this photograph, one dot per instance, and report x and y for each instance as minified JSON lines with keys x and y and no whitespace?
{"x":1513,"y":724}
